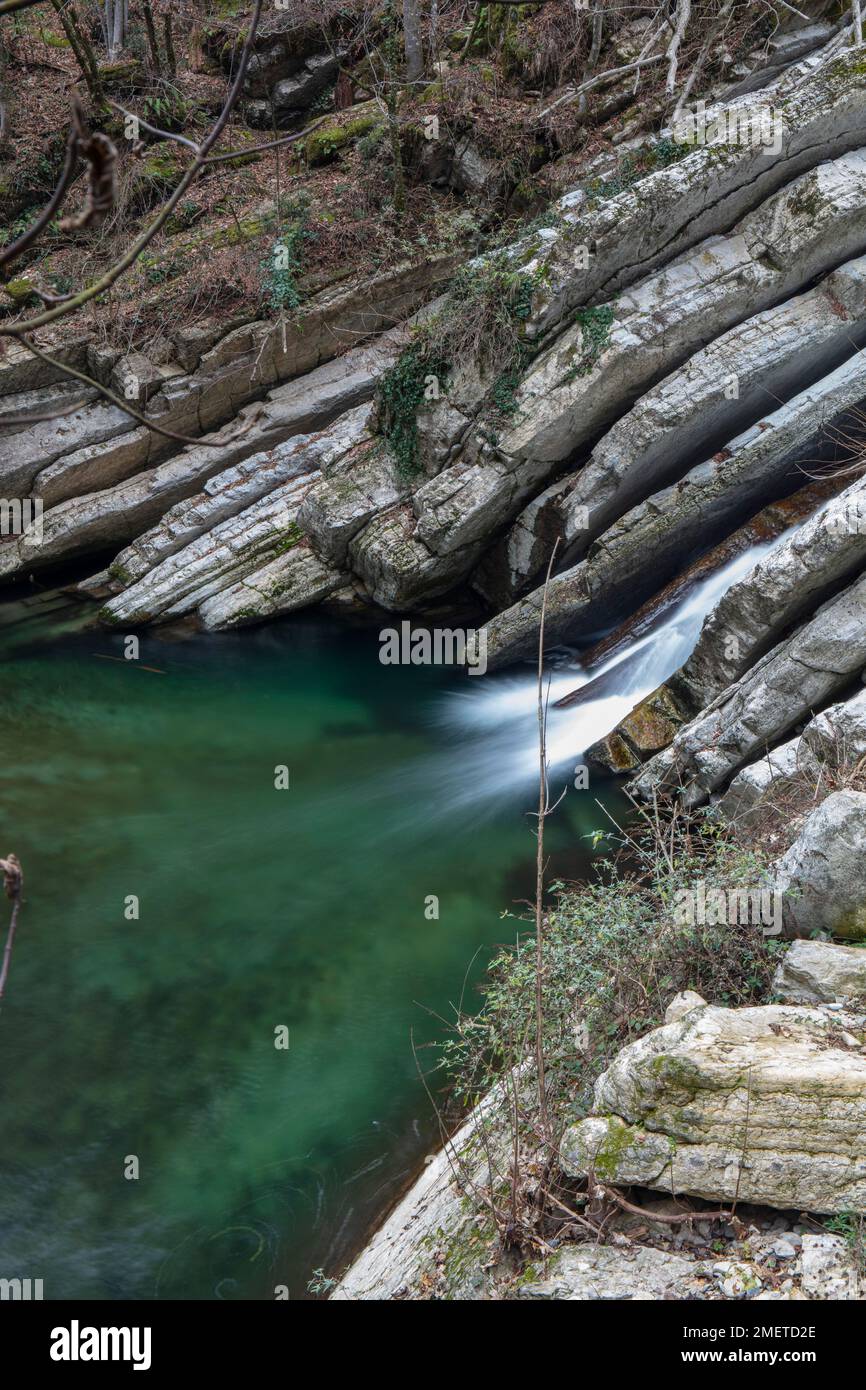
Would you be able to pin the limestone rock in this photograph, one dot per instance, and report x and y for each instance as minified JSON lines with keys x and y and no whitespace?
{"x":829,"y":1268}
{"x":816,"y":972}
{"x":797,"y":573}
{"x":591,"y":1272}
{"x":763,"y":1104}
{"x":293,"y":96}
{"x":434,"y":1221}
{"x":397,"y":569}
{"x":227,"y":493}
{"x":135,"y":378}
{"x":769,"y":777}
{"x":801,"y":674}
{"x":644,"y":547}
{"x":686,"y":416}
{"x":700,"y":195}
{"x":823,"y":874}
{"x":291,"y":581}
{"x":575,"y":388}
{"x":217,"y":559}
{"x":837,"y":736}
{"x":48,"y":440}
{"x":650,"y":727}
{"x":348,"y":496}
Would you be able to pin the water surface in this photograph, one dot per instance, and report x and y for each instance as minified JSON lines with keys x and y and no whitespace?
{"x":259,"y":909}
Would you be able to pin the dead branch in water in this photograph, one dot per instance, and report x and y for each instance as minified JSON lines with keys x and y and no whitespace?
{"x":13,"y":880}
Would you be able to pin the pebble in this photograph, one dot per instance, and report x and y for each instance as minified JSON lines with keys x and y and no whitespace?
{"x":784,"y":1249}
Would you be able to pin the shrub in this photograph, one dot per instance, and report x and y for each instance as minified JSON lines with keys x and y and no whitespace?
{"x":614,"y":956}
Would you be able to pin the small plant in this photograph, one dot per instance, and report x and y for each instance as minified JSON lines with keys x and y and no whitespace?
{"x":631,"y":168}
{"x":613,"y":960}
{"x":851,"y":1225}
{"x":595,"y":324}
{"x":166,"y":109}
{"x":320,"y":1283}
{"x":282,"y":265}
{"x":402,"y":391}
{"x":482,"y":322}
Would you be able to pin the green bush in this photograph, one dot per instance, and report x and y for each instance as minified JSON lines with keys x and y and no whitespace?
{"x":614,"y":956}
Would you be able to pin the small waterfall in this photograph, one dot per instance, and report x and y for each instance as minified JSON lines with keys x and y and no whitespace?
{"x":495,"y":718}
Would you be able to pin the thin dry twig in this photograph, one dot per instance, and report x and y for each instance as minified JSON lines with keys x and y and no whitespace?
{"x":13,"y":881}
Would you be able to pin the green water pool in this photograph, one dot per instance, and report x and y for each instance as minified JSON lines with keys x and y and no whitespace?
{"x":259,"y":909}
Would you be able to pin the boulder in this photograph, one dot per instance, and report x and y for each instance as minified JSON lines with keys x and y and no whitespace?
{"x":764,"y":1104}
{"x":598,"y":1272}
{"x":816,"y":972}
{"x":292,"y":98}
{"x":823,"y":874}
{"x":837,"y":736}
{"x":771,"y":776}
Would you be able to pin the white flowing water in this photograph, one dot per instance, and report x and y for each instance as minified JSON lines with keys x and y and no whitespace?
{"x":495,"y":719}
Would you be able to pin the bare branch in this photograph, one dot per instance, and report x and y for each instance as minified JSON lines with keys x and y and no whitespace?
{"x":113,"y":274}
{"x":268,"y":145}
{"x":217,"y":443}
{"x":684,"y":14}
{"x":155,"y":130}
{"x":13,"y":880}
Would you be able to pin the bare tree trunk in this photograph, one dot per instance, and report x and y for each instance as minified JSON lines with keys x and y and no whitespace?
{"x":81,"y":47}
{"x":169,"y":44}
{"x":684,"y":14}
{"x":858,"y":21}
{"x":412,"y":40}
{"x":118,"y":32}
{"x":151,"y":36}
{"x":396,"y":150}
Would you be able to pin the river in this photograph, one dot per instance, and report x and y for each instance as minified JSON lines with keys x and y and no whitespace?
{"x":183,"y":914}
